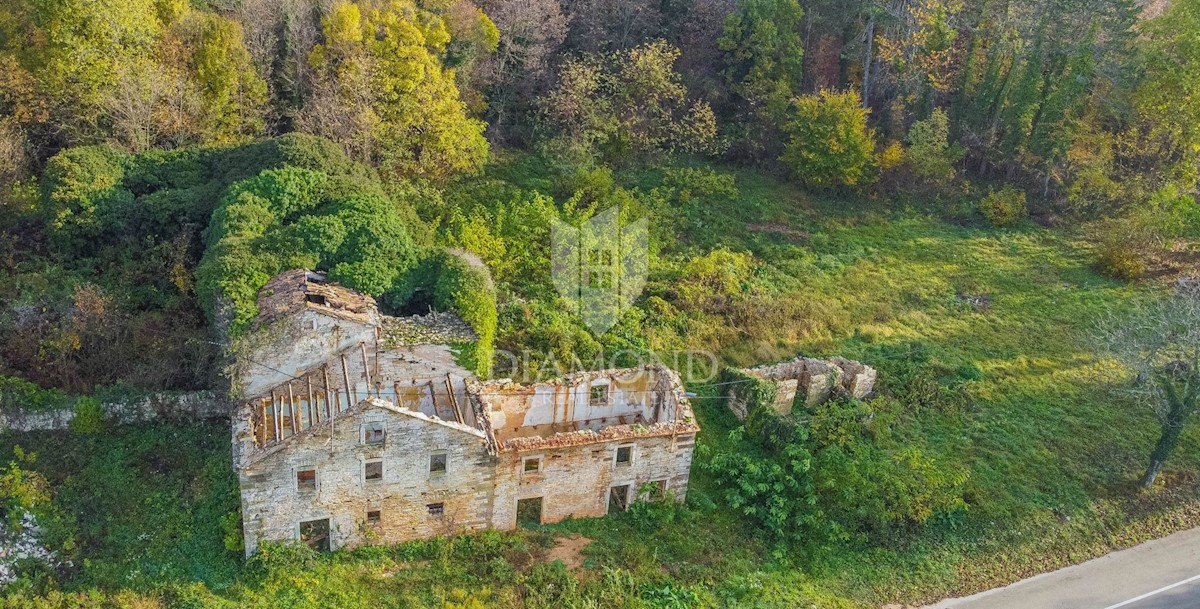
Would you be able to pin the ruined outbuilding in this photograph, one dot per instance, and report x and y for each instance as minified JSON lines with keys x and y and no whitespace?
{"x":355,"y":427}
{"x":803,"y":381}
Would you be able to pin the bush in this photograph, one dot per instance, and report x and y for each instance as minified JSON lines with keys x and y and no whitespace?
{"x":1121,"y":261}
{"x":829,"y":143}
{"x":75,"y":183}
{"x":19,"y":394}
{"x":89,"y":418}
{"x":769,"y":481}
{"x":298,"y":218}
{"x":871,"y":482}
{"x":929,"y":152}
{"x":1003,"y":207}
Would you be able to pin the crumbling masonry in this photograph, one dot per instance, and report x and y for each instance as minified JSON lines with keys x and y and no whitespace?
{"x":356,"y":427}
{"x":803,"y":382}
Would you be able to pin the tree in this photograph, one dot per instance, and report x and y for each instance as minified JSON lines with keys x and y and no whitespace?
{"x":921,"y":53}
{"x":829,"y":143}
{"x":764,"y":52}
{"x":1159,"y":345}
{"x":929,"y":152}
{"x":629,"y":103}
{"x":233,"y":95}
{"x":382,"y":92}
{"x":66,"y":56}
{"x":1167,"y":99}
{"x":531,"y":32}
{"x":612,"y":25}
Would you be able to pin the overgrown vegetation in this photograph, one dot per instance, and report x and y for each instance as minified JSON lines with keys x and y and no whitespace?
{"x":947,"y":190}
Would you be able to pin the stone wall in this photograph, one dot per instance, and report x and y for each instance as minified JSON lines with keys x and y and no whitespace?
{"x":805,"y":381}
{"x":273,"y":505}
{"x":190,"y":406}
{"x":292,"y":346}
{"x":574,"y":481}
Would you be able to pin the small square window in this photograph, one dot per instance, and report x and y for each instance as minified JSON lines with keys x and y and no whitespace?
{"x":598,"y":395}
{"x":436,"y":509}
{"x":373,"y":517}
{"x":657,"y":490}
{"x":437,"y":463}
{"x":532,"y":465}
{"x":624,"y":455}
{"x":306,"y":480}
{"x":374,"y":432}
{"x":373,"y":471}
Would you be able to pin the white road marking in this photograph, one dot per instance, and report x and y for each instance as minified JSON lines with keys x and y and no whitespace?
{"x":1152,"y":593}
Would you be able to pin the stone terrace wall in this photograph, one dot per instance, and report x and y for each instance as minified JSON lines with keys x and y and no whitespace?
{"x":190,"y":406}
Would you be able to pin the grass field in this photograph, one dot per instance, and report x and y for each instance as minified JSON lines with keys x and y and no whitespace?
{"x":1004,"y":314}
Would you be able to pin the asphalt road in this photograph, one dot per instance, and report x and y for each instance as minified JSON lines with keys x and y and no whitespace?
{"x":1160,"y":574}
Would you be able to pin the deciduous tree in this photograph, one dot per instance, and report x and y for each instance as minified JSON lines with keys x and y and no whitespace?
{"x":1159,"y":347}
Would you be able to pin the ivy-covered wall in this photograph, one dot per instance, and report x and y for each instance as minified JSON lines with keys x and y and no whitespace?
{"x":747,"y":393}
{"x":458,"y":281}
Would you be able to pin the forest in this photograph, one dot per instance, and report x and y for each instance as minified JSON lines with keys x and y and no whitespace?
{"x":980,"y":198}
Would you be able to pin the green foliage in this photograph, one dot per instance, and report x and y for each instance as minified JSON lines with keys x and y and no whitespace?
{"x":18,"y":394}
{"x":467,"y":288}
{"x":870,"y":481}
{"x":89,"y":417}
{"x":1167,"y":105}
{"x":929,"y":152}
{"x":383,"y":93}
{"x":232,"y":93}
{"x":770,"y":484}
{"x":298,"y":218}
{"x":1121,"y":261}
{"x":1003,"y":207}
{"x":711,"y":282}
{"x":137,"y":507}
{"x":829,"y":143}
{"x":910,"y":375}
{"x":22,"y":491}
{"x":628,"y":106}
{"x":75,"y":184}
{"x":764,"y":51}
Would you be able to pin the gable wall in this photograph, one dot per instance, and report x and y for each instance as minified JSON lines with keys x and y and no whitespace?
{"x":290,"y":347}
{"x":272,"y":507}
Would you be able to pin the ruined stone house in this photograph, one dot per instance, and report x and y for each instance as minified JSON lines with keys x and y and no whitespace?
{"x":805,"y":382}
{"x":356,"y":427}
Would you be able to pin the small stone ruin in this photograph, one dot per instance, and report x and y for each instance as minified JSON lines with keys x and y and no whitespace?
{"x":812,"y":381}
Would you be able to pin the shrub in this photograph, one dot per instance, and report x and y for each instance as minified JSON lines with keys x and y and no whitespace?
{"x":89,"y":418}
{"x":929,"y":152}
{"x":19,"y":394}
{"x":1121,"y":261}
{"x":1003,"y":207}
{"x":770,"y":482}
{"x":710,"y":283}
{"x":299,"y":218}
{"x":22,"y":490}
{"x":74,"y":184}
{"x":829,"y":143}
{"x":467,"y":288}
{"x":870,"y":481}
